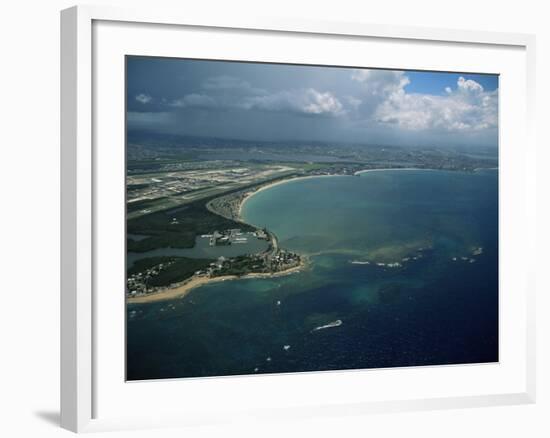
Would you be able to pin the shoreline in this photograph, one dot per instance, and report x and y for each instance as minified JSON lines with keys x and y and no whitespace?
{"x":271,"y":185}
{"x":357,"y":173}
{"x":285,"y":181}
{"x":184,"y":289}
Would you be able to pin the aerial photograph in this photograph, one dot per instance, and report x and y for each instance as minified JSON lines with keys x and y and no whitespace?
{"x":285,"y":218}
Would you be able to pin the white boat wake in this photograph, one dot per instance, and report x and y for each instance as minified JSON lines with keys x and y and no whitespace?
{"x":336,"y":323}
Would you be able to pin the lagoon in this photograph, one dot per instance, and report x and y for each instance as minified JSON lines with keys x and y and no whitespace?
{"x":248,"y":243}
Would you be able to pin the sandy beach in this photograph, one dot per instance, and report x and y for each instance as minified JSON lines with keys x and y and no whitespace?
{"x":273,"y":184}
{"x":183,"y":289}
{"x":178,"y":291}
{"x":359,"y":172}
{"x":285,"y":181}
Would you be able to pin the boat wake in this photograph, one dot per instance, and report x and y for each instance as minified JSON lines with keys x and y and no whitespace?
{"x":336,"y":323}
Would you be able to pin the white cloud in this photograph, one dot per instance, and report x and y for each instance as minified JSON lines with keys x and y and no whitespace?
{"x":305,"y":101}
{"x":383,"y":99}
{"x":467,"y":85}
{"x":144,"y":98}
{"x":467,"y":108}
{"x":377,"y":86}
{"x":381,"y":83}
{"x":321,"y":103}
{"x":230,"y":92}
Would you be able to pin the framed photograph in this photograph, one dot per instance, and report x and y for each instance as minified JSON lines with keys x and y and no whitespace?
{"x":271,"y":218}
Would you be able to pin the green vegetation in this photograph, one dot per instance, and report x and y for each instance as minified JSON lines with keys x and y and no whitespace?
{"x":177,"y":228}
{"x":299,"y":165}
{"x":134,"y":187}
{"x":157,"y":164}
{"x":313,"y":166}
{"x":146,"y":203}
{"x":177,"y":269}
{"x":241,"y":265}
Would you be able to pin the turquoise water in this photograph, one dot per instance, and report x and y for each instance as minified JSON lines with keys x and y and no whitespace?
{"x":437,"y":304}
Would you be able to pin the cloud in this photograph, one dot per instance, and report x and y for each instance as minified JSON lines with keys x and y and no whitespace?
{"x":148,"y":119}
{"x":376,"y":86}
{"x":381,"y":83}
{"x":306,"y":101}
{"x":353,"y":102}
{"x":224,"y":83}
{"x":377,"y":101}
{"x":144,"y":98}
{"x":230,"y":85}
{"x":467,"y":85}
{"x":194,"y":100}
{"x":467,"y":108}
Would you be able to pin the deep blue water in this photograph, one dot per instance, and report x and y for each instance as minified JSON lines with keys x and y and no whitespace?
{"x":431,"y":310}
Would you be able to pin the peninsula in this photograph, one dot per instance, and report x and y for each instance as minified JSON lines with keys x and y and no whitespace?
{"x":178,"y":203}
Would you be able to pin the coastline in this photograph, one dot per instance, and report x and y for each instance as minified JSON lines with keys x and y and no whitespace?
{"x":187,"y":286}
{"x":359,"y":172}
{"x":184,"y":288}
{"x":285,"y":181}
{"x":273,"y":184}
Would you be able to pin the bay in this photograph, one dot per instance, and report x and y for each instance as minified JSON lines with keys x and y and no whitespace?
{"x":405,"y":260}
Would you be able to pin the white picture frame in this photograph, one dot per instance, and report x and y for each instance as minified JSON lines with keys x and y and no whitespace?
{"x":83,"y":369}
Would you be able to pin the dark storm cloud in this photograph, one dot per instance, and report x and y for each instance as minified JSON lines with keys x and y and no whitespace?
{"x":282,"y":102}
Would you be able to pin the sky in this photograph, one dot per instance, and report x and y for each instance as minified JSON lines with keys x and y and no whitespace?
{"x":279,"y":102}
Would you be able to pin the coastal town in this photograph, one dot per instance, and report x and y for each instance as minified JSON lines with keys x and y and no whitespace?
{"x":273,"y":261}
{"x":171,"y":173}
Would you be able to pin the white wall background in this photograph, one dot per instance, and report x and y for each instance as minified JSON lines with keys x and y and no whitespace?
{"x":29,"y":218}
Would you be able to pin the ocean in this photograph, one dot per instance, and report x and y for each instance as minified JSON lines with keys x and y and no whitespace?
{"x":403,"y":271}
